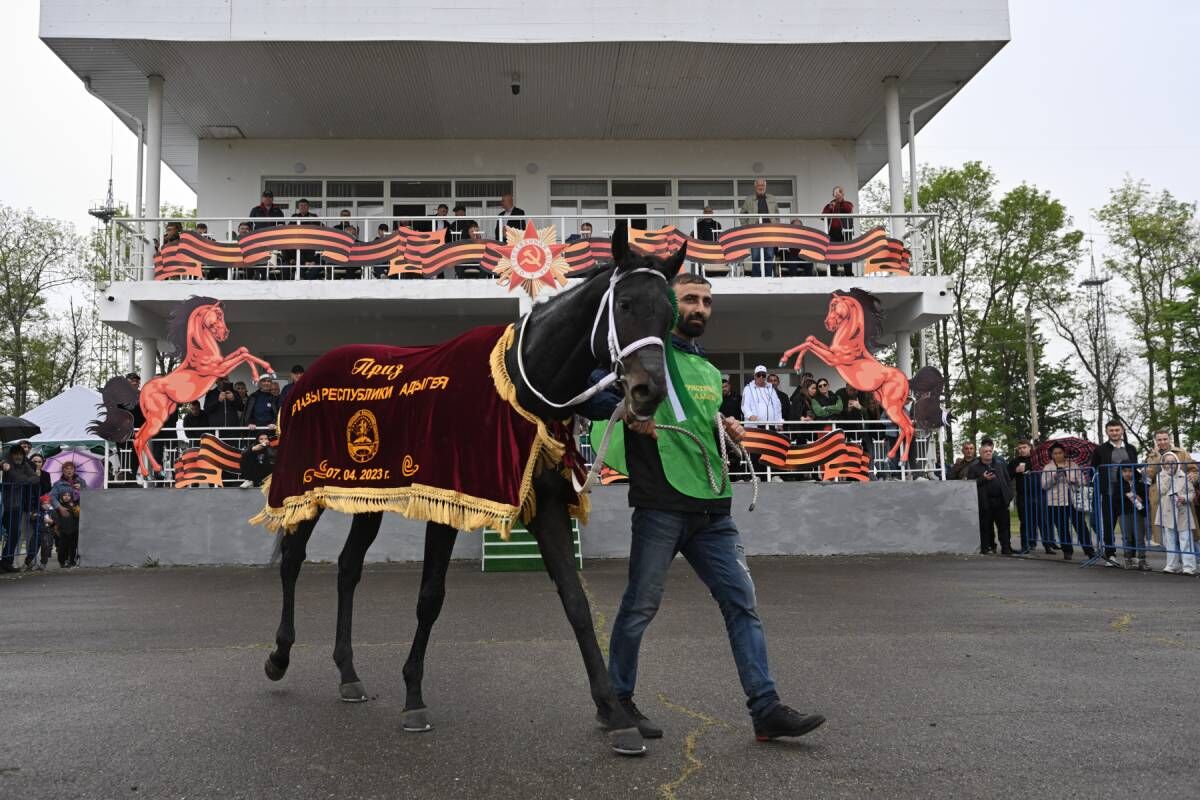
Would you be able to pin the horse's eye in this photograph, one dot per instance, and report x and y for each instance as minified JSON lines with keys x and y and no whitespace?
{"x":623,"y":304}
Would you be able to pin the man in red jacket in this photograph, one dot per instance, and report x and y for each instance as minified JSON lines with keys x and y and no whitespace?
{"x":841,"y":229}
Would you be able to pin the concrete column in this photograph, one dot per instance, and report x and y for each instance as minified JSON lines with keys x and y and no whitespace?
{"x":891,"y":113}
{"x":149,"y":358}
{"x":154,"y":110}
{"x":904,"y":352}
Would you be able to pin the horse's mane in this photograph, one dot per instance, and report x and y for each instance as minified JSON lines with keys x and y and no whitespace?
{"x":872,"y":315}
{"x":177,"y":324}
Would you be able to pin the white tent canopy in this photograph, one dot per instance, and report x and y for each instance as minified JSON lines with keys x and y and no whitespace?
{"x":65,"y":418}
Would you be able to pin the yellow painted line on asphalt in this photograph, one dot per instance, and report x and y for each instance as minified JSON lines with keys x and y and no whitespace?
{"x":1122,"y":623}
{"x":599,"y":620}
{"x":691,"y":762}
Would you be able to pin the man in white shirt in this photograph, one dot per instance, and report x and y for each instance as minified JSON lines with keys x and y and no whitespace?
{"x":760,"y":401}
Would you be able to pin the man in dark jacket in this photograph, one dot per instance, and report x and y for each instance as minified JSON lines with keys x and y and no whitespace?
{"x":731,"y":404}
{"x":1023,"y":478}
{"x":262,"y":407}
{"x":1106,"y":461}
{"x":266,"y":208}
{"x":995,"y":493}
{"x":224,"y":409}
{"x":958,"y":470}
{"x":19,"y":485}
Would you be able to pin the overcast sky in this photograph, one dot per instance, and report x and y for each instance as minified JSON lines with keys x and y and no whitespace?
{"x":1085,"y":93}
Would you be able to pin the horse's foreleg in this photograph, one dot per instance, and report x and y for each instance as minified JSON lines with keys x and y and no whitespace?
{"x":439,"y":544}
{"x":363,"y":531}
{"x":293,"y":549}
{"x":552,"y":529}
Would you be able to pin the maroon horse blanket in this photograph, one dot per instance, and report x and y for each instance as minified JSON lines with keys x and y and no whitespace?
{"x":433,"y":433}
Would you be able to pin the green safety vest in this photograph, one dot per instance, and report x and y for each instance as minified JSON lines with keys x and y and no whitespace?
{"x":692,"y":401}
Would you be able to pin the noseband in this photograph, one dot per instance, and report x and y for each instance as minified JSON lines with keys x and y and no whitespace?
{"x":616,"y":353}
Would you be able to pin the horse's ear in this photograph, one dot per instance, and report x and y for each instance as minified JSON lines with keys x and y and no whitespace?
{"x":671,"y":266}
{"x":620,"y":243}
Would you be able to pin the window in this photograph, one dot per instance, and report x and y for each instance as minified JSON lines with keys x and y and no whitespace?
{"x":567,"y":188}
{"x":705,"y":188}
{"x":641,"y":188}
{"x":369,"y":197}
{"x":372,"y":189}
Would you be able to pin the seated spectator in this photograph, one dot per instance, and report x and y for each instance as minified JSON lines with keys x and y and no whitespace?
{"x":201,"y":230}
{"x":958,"y":471}
{"x":266,"y":209}
{"x":193,"y":417}
{"x":345,"y":223}
{"x":792,"y":261}
{"x":258,"y":273}
{"x":244,"y":229}
{"x":258,"y":461}
{"x":785,"y":402}
{"x":471,"y":270}
{"x":457,"y":230}
{"x":708,"y":229}
{"x":262,"y":407}
{"x":306,"y":258}
{"x":995,"y":495}
{"x":825,"y":404}
{"x":443,"y":220}
{"x":585,"y":232}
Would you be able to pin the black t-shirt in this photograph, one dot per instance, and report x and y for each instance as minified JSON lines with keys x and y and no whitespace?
{"x":648,"y":484}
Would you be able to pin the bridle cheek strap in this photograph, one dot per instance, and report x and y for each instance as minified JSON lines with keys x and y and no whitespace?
{"x":616,"y":353}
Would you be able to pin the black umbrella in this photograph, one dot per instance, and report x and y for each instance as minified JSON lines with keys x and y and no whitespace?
{"x":12,"y":428}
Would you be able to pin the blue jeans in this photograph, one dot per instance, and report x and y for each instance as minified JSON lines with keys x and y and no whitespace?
{"x":712,"y":545}
{"x":762,"y":262}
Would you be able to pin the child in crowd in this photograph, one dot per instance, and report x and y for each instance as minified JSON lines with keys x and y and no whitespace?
{"x":47,"y":528}
{"x":1133,"y":507}
{"x":66,"y":501}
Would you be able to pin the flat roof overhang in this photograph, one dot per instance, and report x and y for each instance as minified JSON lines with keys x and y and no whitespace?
{"x":659,"y":90}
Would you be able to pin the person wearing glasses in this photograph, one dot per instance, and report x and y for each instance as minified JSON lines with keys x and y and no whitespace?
{"x":826,"y":405}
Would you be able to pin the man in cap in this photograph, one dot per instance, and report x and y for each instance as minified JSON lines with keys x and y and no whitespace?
{"x":266,"y":208}
{"x":760,"y":401}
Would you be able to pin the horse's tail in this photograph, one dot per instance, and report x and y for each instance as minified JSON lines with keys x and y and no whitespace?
{"x":116,"y":425}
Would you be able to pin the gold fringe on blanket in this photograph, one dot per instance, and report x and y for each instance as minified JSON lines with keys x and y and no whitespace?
{"x":445,"y":506}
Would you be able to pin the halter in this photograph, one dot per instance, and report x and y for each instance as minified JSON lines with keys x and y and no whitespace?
{"x":616,"y":353}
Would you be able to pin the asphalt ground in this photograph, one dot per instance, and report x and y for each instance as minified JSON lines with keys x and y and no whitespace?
{"x":951,"y":676}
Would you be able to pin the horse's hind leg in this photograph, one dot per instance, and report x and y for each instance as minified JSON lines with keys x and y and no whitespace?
{"x":552,"y":529}
{"x":292,"y":553}
{"x":439,"y":544}
{"x":363,"y":531}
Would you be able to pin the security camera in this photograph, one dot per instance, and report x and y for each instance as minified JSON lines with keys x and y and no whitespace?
{"x":515,"y":85}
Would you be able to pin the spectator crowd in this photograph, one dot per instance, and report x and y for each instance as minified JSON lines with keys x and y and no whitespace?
{"x":37,"y":514}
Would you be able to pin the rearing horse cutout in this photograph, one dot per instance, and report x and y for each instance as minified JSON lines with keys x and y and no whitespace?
{"x":197,"y":329}
{"x":855,"y":319}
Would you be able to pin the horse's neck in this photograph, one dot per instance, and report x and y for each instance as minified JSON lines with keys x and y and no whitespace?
{"x":201,"y":343}
{"x":557,"y":348}
{"x":850,"y":336}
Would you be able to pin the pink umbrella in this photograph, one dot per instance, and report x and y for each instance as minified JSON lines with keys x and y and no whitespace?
{"x":88,"y":466}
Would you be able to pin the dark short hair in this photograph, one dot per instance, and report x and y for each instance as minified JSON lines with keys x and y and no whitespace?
{"x":459,"y":207}
{"x":133,"y":376}
{"x":1112,"y":422}
{"x":987,"y":442}
{"x":298,"y":368}
{"x":302,"y":200}
{"x":1057,"y":446}
{"x":689,"y":279}
{"x":1024,"y":441}
{"x":443,"y":205}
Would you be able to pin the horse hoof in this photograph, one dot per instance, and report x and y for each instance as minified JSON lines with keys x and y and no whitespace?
{"x":273,"y":670}
{"x":353,"y":692}
{"x":416,"y":721}
{"x":627,"y":742}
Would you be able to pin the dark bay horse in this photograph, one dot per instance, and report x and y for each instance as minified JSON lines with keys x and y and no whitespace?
{"x":616,"y":320}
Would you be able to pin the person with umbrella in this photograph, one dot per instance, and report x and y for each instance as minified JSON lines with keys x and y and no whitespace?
{"x":19,"y":485}
{"x":1060,"y":480}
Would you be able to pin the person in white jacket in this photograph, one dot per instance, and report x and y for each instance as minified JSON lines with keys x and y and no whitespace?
{"x":760,"y":402}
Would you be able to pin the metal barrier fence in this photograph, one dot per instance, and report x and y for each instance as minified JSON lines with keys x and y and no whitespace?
{"x":33,"y":525}
{"x":874,"y":438}
{"x":1153,"y":506}
{"x":131,"y":251}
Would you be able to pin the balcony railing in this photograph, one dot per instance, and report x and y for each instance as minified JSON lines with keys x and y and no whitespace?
{"x":171,"y":447}
{"x":379,"y":247}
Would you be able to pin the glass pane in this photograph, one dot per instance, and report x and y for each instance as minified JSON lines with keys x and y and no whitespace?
{"x":780,"y":187}
{"x":702,"y":188}
{"x":355,"y":189}
{"x":594,"y":205}
{"x":293,"y":188}
{"x":691,"y":205}
{"x":641,"y":188}
{"x":439,"y":190}
{"x":569,"y":188}
{"x":482,"y":188}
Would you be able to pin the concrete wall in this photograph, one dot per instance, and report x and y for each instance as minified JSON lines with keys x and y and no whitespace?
{"x":129,"y":526}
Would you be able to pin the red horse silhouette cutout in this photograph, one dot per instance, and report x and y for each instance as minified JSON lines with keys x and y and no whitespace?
{"x":855,"y":319}
{"x":196,"y":328}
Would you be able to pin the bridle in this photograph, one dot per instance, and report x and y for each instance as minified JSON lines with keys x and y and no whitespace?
{"x":616,"y":353}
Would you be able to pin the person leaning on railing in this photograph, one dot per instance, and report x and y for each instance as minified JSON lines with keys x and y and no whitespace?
{"x":1174,"y":477}
{"x":19,"y":483}
{"x":826,"y":405}
{"x":1062,"y":480}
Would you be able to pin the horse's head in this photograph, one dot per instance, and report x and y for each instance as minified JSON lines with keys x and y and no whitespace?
{"x":643,"y":308}
{"x":212,"y":319}
{"x":840,"y":310}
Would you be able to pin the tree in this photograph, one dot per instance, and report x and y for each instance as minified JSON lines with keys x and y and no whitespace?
{"x":37,"y":256}
{"x":1183,"y":316}
{"x":1153,"y":247}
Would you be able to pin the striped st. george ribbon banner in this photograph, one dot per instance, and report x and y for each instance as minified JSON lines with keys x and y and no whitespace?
{"x":837,"y":457}
{"x":205,"y":465}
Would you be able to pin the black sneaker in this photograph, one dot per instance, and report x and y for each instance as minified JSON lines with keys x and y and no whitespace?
{"x":785,"y":721}
{"x":645,"y":727}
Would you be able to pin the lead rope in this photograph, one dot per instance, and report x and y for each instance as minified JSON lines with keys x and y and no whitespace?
{"x":724,"y":441}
